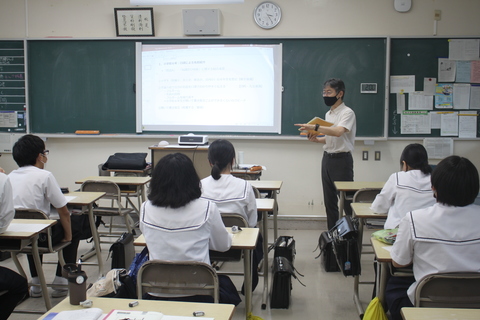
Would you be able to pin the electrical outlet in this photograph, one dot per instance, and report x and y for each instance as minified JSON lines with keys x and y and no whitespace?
{"x":365,"y":155}
{"x":377,"y":155}
{"x":437,"y":15}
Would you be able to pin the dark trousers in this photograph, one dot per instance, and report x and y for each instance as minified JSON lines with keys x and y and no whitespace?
{"x":17,"y":288}
{"x":69,"y":252}
{"x":396,"y":295}
{"x":335,"y":167}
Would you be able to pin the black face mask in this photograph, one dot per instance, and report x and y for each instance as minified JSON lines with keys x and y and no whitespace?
{"x":330,"y":101}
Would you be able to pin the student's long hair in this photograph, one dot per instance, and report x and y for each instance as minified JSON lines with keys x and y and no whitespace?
{"x":455,"y":180}
{"x":220,"y":154}
{"x":174,"y":182}
{"x":415,"y":156}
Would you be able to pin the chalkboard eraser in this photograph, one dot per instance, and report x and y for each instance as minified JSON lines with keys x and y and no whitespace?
{"x":87,"y":132}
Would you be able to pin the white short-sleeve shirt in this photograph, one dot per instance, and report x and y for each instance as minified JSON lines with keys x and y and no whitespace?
{"x":439,"y":239}
{"x":341,"y":116}
{"x":7,"y":212}
{"x":402,"y":193}
{"x":184,"y":234}
{"x":35,"y":188}
{"x":232,"y":195}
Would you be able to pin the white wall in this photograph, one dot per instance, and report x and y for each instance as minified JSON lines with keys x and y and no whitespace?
{"x":298,"y":162}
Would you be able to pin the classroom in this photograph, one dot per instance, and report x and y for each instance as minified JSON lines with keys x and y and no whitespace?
{"x":289,"y":158}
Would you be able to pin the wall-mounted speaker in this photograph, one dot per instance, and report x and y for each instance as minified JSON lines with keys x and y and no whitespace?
{"x":201,"y":22}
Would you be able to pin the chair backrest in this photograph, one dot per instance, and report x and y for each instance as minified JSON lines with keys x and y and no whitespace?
{"x":449,"y":290}
{"x":234,"y":219}
{"x":30,"y":214}
{"x":256,"y":192}
{"x":366,"y":195}
{"x":111,"y":189}
{"x":177,"y":277}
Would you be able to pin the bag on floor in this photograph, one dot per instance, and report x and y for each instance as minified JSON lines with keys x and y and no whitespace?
{"x":284,"y":246}
{"x":375,"y":311}
{"x":282,"y":274}
{"x":345,"y":245}
{"x":326,"y":255}
{"x":123,"y":251}
{"x":138,"y":261}
{"x":116,"y":284}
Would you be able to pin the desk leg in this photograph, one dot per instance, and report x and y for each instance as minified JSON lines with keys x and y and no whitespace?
{"x":341,"y":205}
{"x":247,"y":260}
{"x":382,"y":269}
{"x":96,"y":239}
{"x":275,"y":214}
{"x":265,"y":259}
{"x":41,"y":275}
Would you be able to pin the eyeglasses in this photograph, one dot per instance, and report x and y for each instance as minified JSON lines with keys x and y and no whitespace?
{"x":328,"y":92}
{"x":46,"y":152}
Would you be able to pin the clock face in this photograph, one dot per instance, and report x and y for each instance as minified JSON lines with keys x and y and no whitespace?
{"x":267,"y":15}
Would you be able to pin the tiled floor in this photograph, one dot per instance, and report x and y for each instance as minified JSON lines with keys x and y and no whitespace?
{"x":326,"y":295}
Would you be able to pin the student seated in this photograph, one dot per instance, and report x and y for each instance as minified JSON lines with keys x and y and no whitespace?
{"x":36,"y":188}
{"x":180,"y":226}
{"x":441,"y":238}
{"x":10,"y":281}
{"x":231,"y":194}
{"x":408,"y":189}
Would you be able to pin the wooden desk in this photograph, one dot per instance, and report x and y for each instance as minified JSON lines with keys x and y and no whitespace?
{"x":350,"y":186}
{"x":138,"y":182}
{"x":383,"y":259}
{"x":86,"y":199}
{"x":273,"y":188}
{"x":362,"y":211}
{"x":198,"y":154}
{"x":440,"y":314}
{"x":15,"y":239}
{"x":218,"y":311}
{"x":246,"y":174}
{"x":244,"y":240}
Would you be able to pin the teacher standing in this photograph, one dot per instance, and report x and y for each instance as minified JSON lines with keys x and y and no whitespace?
{"x":339,"y":140}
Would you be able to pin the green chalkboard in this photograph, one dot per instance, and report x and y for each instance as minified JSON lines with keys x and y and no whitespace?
{"x":89,"y":84}
{"x":418,"y":57}
{"x":12,"y":86}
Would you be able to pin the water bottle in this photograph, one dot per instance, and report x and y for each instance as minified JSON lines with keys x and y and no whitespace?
{"x":77,"y":282}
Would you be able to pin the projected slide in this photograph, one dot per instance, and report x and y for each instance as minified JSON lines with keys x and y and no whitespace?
{"x":214,"y":88}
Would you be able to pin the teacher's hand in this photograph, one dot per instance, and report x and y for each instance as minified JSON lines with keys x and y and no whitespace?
{"x":305,"y":126}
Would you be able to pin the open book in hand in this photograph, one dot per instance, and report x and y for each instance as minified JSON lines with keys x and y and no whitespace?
{"x":318,"y":121}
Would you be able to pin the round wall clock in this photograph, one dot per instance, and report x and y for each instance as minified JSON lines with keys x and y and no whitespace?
{"x":267,"y":14}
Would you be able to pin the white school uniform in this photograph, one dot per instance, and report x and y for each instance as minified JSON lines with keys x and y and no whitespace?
{"x":439,"y":239}
{"x":6,"y":203}
{"x":35,"y":188}
{"x":402,"y":193}
{"x":232,"y":195}
{"x":184,"y":234}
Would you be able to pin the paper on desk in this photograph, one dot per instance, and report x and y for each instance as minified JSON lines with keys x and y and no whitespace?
{"x":389,"y":248}
{"x":145,"y":315}
{"x":25,"y":227}
{"x":70,"y":198}
{"x":84,"y":314}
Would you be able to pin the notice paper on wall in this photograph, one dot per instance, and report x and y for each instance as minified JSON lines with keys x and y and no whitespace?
{"x":446,"y":70}
{"x":464,"y":49}
{"x":415,"y":122}
{"x":402,"y":84}
{"x":467,"y":124}
{"x":449,"y":124}
{"x":438,"y":148}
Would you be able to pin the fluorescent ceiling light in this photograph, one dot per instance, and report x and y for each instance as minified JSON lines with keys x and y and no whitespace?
{"x":179,"y":2}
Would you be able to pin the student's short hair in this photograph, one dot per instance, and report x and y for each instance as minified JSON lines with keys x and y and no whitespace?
{"x":415,"y":156}
{"x":220,"y":154}
{"x":26,"y":150}
{"x":456,"y":181}
{"x":174,"y":182}
{"x":336,"y":84}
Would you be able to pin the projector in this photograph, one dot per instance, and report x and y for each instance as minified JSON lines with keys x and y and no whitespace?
{"x":193,"y":140}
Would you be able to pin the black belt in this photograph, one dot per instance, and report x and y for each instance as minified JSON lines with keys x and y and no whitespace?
{"x":336,"y":155}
